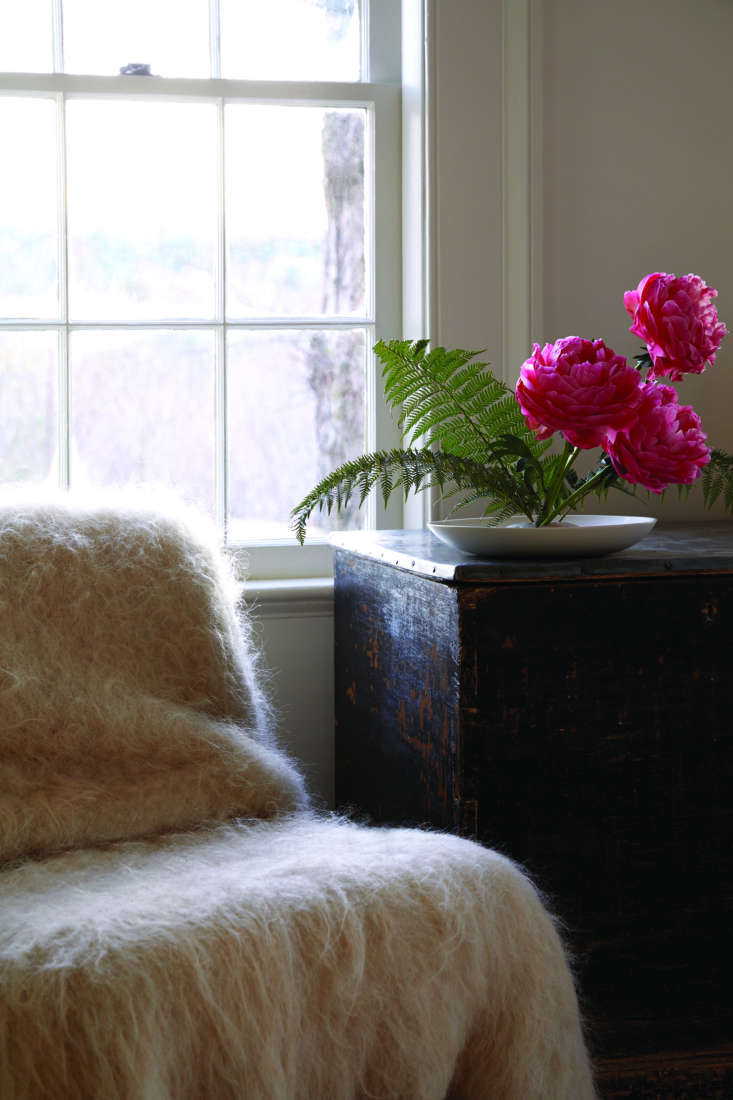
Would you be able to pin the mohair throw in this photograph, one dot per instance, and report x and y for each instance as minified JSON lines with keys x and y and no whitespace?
{"x":129,"y":702}
{"x":175,"y":923}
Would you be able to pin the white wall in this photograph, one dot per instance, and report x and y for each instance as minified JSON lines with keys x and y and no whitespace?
{"x":638,"y":163}
{"x":627,"y":109}
{"x":466,"y":175}
{"x":297,"y":652}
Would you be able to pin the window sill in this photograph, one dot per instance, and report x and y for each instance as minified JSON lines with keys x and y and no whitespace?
{"x":282,"y":561}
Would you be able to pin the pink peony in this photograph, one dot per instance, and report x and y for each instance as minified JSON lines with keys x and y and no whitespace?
{"x":579,"y":388}
{"x":666,"y":445}
{"x":676,"y":319}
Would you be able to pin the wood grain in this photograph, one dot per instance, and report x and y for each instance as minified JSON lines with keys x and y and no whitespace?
{"x":582,"y":725}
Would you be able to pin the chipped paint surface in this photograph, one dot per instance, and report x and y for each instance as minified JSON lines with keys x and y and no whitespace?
{"x":400,"y":682}
{"x":583,"y":726}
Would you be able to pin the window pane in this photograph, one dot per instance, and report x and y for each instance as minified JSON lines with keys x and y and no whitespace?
{"x":295,"y":208}
{"x":28,"y":240}
{"x":142,"y":411}
{"x":142,"y":209}
{"x":29,"y":403}
{"x":290,"y":39}
{"x":25,"y":36}
{"x":171,"y":36}
{"x":296,"y":410}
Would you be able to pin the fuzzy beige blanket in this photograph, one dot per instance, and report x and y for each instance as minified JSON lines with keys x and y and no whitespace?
{"x":174,"y":923}
{"x":128,"y":697}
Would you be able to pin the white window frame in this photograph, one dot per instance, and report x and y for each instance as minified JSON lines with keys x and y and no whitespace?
{"x":280,"y":559}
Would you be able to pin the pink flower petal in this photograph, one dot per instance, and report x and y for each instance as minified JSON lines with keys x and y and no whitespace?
{"x":676,"y":319}
{"x":579,"y":388}
{"x":666,"y":445}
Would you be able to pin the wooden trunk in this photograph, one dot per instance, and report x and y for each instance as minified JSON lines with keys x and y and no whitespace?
{"x":577,"y":717}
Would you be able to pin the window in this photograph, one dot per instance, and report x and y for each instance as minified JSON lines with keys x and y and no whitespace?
{"x":200,"y":245}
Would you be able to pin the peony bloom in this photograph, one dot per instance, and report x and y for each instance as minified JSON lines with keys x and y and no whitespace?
{"x":666,"y":445}
{"x":579,"y":388}
{"x":676,"y":319}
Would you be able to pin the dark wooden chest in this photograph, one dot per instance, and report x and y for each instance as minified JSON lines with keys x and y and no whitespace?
{"x":576,"y":716}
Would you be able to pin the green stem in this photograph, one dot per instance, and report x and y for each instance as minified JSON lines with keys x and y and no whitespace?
{"x":549,"y":509}
{"x":527,"y":508}
{"x":569,"y":503}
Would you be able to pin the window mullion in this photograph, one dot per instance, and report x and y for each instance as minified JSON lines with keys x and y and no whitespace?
{"x":64,"y":409}
{"x":221,"y":480}
{"x":366,"y":31}
{"x":58,"y":36}
{"x":64,"y":380}
{"x":215,"y":39}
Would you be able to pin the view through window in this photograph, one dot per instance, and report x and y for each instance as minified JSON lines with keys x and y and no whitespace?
{"x":186,"y":287}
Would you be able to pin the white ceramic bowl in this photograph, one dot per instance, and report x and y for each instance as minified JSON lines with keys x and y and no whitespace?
{"x":577,"y":536}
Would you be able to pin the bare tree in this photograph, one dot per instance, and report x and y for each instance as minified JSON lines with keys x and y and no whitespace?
{"x":336,"y":363}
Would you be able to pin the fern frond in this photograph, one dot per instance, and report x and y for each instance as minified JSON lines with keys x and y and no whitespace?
{"x":717,"y":479}
{"x":445,"y":397}
{"x":410,"y":469}
{"x":498,"y":510}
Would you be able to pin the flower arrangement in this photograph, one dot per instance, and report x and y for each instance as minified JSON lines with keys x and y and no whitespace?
{"x":482,"y":442}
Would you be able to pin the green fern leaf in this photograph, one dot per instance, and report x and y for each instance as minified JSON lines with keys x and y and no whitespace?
{"x":411,"y":469}
{"x":717,"y":480}
{"x":447,"y":398}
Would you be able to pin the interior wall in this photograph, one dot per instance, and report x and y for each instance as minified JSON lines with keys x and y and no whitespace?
{"x":465,"y":88}
{"x":637,"y":102}
{"x":296,"y":652}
